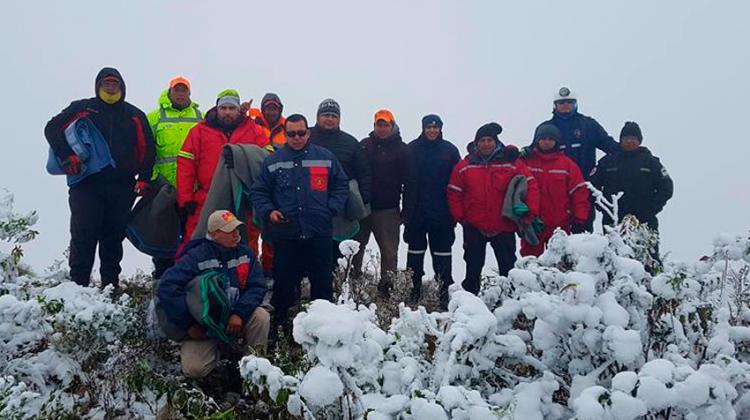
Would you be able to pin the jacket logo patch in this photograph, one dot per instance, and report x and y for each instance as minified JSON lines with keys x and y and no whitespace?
{"x":577,"y":133}
{"x":242,"y":272}
{"x":318,"y":178}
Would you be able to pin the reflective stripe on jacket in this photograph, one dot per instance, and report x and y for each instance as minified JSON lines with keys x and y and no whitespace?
{"x":171,"y":127}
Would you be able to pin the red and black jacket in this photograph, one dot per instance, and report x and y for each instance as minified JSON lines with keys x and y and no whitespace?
{"x":124,"y":127}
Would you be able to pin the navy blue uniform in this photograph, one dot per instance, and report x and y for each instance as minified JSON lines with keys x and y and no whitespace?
{"x":432,"y":220}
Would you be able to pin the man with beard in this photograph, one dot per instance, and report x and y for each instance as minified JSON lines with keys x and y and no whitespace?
{"x":197,"y":160}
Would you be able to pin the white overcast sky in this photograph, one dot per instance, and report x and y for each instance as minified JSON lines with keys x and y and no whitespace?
{"x":678,"y":68}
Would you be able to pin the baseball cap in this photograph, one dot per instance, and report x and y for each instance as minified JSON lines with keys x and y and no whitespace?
{"x":223,"y":220}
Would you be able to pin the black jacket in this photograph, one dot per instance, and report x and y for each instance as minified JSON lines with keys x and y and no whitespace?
{"x":643,"y":180}
{"x":393,"y":173}
{"x":124,"y":127}
{"x":581,"y":135}
{"x":434,"y":163}
{"x":349,"y":153}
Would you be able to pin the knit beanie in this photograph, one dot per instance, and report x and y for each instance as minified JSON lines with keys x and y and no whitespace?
{"x":631,"y":129}
{"x":431,"y":119}
{"x":228,"y":97}
{"x":329,"y":106}
{"x":492,"y":129}
{"x":271,"y":98}
{"x":547,"y":130}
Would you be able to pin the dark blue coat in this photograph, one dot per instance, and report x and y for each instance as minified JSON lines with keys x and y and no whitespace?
{"x":434,"y":161}
{"x":239,"y":264}
{"x":308,"y":186}
{"x":581,"y":136}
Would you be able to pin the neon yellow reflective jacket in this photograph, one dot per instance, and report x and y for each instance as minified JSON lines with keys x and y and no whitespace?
{"x":170,"y":127}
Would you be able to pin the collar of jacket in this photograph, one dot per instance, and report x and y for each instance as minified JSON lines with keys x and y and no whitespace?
{"x":476,"y":158}
{"x":566,"y":116}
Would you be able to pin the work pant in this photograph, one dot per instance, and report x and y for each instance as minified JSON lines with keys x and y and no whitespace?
{"x":475,"y":246}
{"x":385,"y":225}
{"x":99,"y":212}
{"x":440,"y":240}
{"x":266,"y":256}
{"x":199,"y":357}
{"x":294,"y":259}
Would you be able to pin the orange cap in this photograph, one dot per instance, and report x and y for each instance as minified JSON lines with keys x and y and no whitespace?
{"x":385,"y":115}
{"x":179,"y":80}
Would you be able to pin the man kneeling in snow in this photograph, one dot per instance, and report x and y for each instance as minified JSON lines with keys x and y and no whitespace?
{"x":214,"y":291}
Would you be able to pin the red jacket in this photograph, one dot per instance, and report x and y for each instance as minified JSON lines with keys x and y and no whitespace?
{"x":476,"y":192}
{"x":201,"y":151}
{"x":563,"y":192}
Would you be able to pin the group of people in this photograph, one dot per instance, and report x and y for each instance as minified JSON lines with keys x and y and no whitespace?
{"x":310,"y":178}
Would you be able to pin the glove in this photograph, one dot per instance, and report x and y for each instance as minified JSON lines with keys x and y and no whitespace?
{"x":142,"y":187}
{"x":226,"y":153}
{"x":525,"y":152}
{"x":538,"y":225}
{"x":72,"y":165}
{"x":510,"y":153}
{"x":520,"y":210}
{"x":189,"y":208}
{"x":578,"y":227}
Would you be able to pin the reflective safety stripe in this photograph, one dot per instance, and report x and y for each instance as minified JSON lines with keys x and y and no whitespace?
{"x":169,"y":159}
{"x":212,"y":263}
{"x":416,"y":251}
{"x":646,"y":169}
{"x":280,"y":165}
{"x":534,"y":169}
{"x":582,"y":184}
{"x":185,"y":154}
{"x":237,"y":261}
{"x":310,"y":163}
{"x":503,"y":165}
{"x":164,"y":119}
{"x":455,"y":187}
{"x":442,"y":254}
{"x":559,"y":171}
{"x":574,"y":145}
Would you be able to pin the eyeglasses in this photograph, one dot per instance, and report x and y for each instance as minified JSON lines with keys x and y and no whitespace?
{"x":566,"y":101}
{"x":293,"y":134}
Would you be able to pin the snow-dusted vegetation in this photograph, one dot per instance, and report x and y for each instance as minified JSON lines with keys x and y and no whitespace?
{"x":585,"y":331}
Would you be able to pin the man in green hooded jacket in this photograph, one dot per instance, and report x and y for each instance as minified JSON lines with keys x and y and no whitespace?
{"x":171,"y":123}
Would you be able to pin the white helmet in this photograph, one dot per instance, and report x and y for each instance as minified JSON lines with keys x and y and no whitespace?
{"x":564,"y":93}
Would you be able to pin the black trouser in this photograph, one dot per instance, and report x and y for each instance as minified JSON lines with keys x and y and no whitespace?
{"x":99,"y":211}
{"x":441,"y":240}
{"x":160,"y":266}
{"x":475,"y":246}
{"x":294,"y":259}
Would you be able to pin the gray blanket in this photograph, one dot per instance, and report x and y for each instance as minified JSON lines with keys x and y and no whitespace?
{"x":516,"y":194}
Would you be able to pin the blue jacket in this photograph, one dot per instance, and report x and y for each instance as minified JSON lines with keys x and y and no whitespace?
{"x":581,"y":136}
{"x":308,"y":186}
{"x":435,"y":161}
{"x":239,"y":264}
{"x":89,"y":145}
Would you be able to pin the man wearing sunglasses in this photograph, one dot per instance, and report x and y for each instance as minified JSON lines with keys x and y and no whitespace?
{"x":300,"y":189}
{"x":580,"y":136}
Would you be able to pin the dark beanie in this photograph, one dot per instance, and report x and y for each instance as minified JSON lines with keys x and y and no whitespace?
{"x":271,"y":98}
{"x":431,"y":119}
{"x":631,"y":129}
{"x":547,"y":130}
{"x":329,"y":106}
{"x":492,"y":129}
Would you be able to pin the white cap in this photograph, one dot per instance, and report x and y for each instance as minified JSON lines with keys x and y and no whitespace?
{"x":564,"y":93}
{"x":223,"y":220}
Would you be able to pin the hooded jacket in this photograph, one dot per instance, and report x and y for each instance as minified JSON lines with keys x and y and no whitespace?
{"x":349,"y":153}
{"x":580,"y":136}
{"x":478,"y":186}
{"x":393,"y":170}
{"x":196,"y":161}
{"x":170,"y":127}
{"x":123,"y":126}
{"x":434,"y":162}
{"x":646,"y":184}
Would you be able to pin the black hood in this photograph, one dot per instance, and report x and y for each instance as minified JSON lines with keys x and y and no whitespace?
{"x":105,"y":72}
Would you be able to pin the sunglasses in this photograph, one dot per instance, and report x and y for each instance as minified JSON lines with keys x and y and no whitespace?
{"x":293,"y":134}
